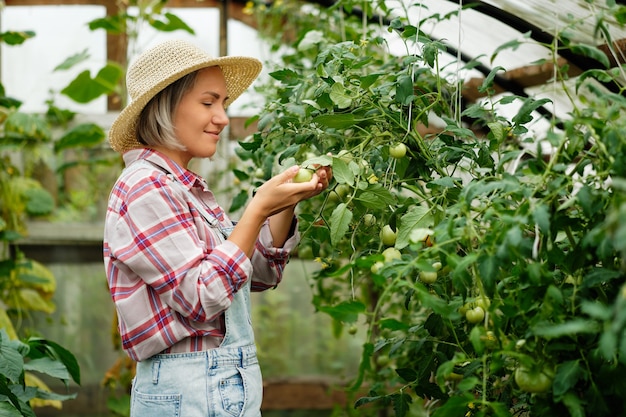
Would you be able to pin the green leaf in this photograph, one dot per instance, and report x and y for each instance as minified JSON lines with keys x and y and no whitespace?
{"x":9,"y":409}
{"x":48,"y":395}
{"x":369,"y":79}
{"x":376,"y":196}
{"x":401,"y":404}
{"x":404,"y":90}
{"x":596,"y":310}
{"x":574,"y":404}
{"x":59,"y":353}
{"x":418,"y":217}
{"x":366,"y":400}
{"x":455,"y":406}
{"x":239,"y":201}
{"x":84,"y":89}
{"x":286,"y":76}
{"x":592,"y":52}
{"x":16,"y":38}
{"x":73,"y":60}
{"x":512,"y":45}
{"x":84,"y":135}
{"x":119,"y":406}
{"x":524,"y":114}
{"x":346,"y":312}
{"x":23,"y":127}
{"x":339,"y":96}
{"x":170,"y":23}
{"x":498,"y":130}
{"x":11,"y":361}
{"x":337,"y":121}
{"x":256,"y":143}
{"x":39,"y":201}
{"x":487,"y":83}
{"x":393,"y":324}
{"x":431,"y":51}
{"x":598,"y":276}
{"x":488,"y":269}
{"x":407,"y":374}
{"x":342,"y":172}
{"x":597,"y":74}
{"x":570,"y":328}
{"x":339,"y":223}
{"x":322,"y":160}
{"x":48,"y":366}
{"x":476,"y":338}
{"x":541,"y":215}
{"x":115,"y":24}
{"x":567,"y":375}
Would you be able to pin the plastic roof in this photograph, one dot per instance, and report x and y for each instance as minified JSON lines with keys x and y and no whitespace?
{"x":474,"y":30}
{"x":485,"y":24}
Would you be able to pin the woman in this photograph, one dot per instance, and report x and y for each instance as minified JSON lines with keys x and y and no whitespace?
{"x":178,"y":269}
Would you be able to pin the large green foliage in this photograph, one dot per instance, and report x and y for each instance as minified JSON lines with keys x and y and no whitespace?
{"x":35,"y":355}
{"x":532,"y":240}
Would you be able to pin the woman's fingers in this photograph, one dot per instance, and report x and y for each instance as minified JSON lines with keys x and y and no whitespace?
{"x":281,"y":191}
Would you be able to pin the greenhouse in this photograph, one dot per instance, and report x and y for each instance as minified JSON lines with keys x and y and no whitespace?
{"x":460,"y":243}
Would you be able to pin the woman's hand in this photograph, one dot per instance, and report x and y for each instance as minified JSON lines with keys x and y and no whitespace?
{"x":280,"y":192}
{"x":276,"y":200}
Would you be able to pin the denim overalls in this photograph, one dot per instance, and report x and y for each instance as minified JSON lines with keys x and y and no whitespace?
{"x":220,"y":382}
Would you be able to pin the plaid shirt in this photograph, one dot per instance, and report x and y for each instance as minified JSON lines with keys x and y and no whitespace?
{"x":172,"y":275}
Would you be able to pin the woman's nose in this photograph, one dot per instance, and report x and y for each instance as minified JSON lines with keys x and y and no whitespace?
{"x":220,"y":117}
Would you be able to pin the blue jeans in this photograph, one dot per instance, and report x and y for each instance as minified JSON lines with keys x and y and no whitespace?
{"x":221,"y":382}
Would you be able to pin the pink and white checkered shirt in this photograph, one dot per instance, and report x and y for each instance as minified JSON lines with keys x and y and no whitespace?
{"x":172,"y":275}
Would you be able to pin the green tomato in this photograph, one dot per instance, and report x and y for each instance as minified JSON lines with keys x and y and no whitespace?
{"x":387,"y":235}
{"x":345,"y":156}
{"x":535,"y":381}
{"x":382,"y":360}
{"x":397,"y":151}
{"x":428,"y":277}
{"x":303,"y":175}
{"x":369,"y":220}
{"x":475,"y":315}
{"x":342,"y":190}
{"x":259,"y":173}
{"x":391,"y":253}
{"x":464,"y":308}
{"x":376,"y":267}
{"x":352,"y":329}
{"x":483,"y":302}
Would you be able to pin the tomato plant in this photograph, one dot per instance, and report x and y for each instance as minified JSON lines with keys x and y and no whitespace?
{"x":525,"y":250}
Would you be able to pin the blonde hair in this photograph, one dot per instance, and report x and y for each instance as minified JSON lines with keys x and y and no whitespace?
{"x":155,"y":126}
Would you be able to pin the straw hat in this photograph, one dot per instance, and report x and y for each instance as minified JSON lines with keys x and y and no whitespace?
{"x":159,"y":67}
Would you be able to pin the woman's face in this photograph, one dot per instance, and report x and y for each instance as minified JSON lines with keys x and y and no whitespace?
{"x":201,"y":116}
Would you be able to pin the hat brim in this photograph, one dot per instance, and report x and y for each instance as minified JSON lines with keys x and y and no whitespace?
{"x":239,"y":74}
